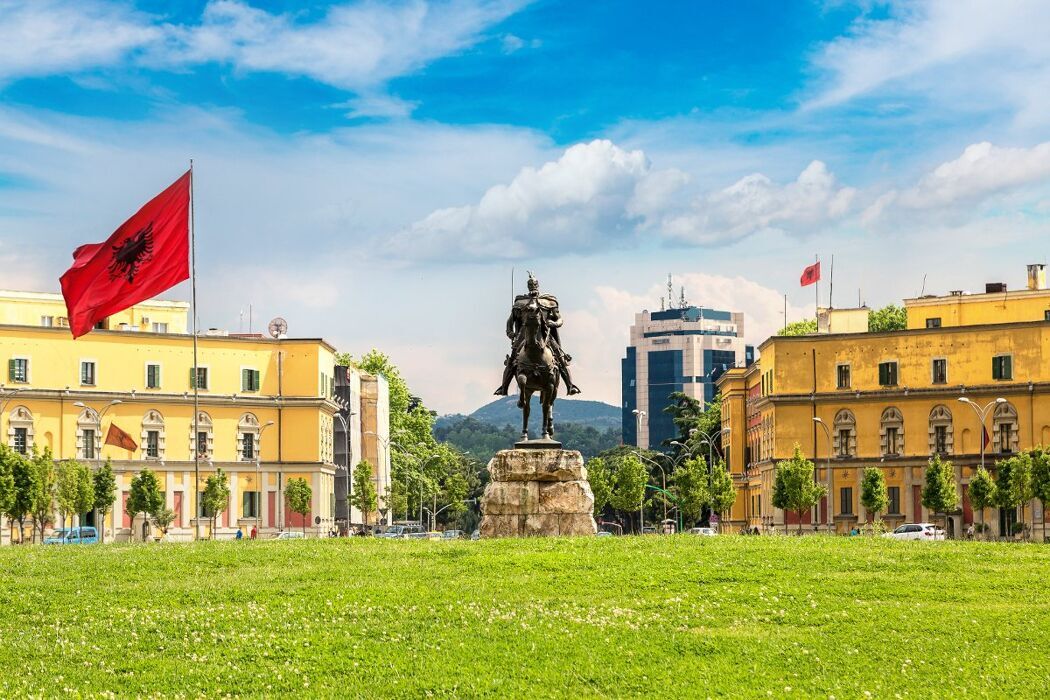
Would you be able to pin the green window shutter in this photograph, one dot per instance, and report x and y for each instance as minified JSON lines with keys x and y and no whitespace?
{"x":1008,"y":370}
{"x":11,"y":370}
{"x":193,"y":378}
{"x":246,"y":380}
{"x":255,"y":379}
{"x":996,"y":374}
{"x":882,"y":373}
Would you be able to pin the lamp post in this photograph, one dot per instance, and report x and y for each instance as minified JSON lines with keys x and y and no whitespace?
{"x":5,"y":398}
{"x":663,"y":474}
{"x":982,"y":415}
{"x":98,"y":455}
{"x":343,"y":420}
{"x":639,"y":415}
{"x":387,"y":442}
{"x":258,"y":473}
{"x":827,"y":432}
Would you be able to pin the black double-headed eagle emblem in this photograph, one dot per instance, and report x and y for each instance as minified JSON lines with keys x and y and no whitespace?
{"x":131,"y":253}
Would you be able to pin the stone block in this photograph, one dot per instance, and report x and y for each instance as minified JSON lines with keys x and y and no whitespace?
{"x":537,"y":465}
{"x":510,"y":498}
{"x":501,"y":526}
{"x":566,"y":497}
{"x":576,"y":524}
{"x":541,"y":525}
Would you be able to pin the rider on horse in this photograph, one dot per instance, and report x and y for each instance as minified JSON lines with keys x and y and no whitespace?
{"x":552,"y":322}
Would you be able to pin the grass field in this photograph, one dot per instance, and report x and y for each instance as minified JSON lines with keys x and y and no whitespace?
{"x":656,"y":616}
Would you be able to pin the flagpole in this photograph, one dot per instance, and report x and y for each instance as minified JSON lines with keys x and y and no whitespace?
{"x":816,"y":307}
{"x":196,"y":372}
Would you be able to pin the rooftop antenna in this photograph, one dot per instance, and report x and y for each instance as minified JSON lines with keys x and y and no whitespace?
{"x":670,"y":292}
{"x":923,"y":290}
{"x":661,"y":303}
{"x":682,"y":303}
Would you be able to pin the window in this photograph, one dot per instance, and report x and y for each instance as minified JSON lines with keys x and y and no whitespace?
{"x":940,"y":439}
{"x":202,"y":512}
{"x":1046,"y":315}
{"x":1004,"y":437}
{"x":202,"y":443}
{"x":940,"y":371}
{"x":250,"y":505}
{"x":152,"y":376}
{"x":21,"y":440}
{"x":202,"y":378}
{"x":844,"y":443}
{"x":18,"y":370}
{"x":1004,"y":428}
{"x":63,"y":322}
{"x":891,"y":431}
{"x":845,"y":433}
{"x":892,"y":442}
{"x":1002,"y":367}
{"x":933,"y":323}
{"x":249,"y":380}
{"x":160,"y":328}
{"x":153,"y":443}
{"x":247,"y":446}
{"x":89,"y":443}
{"x":87,"y":373}
{"x":843,"y":376}
{"x":846,"y":500}
{"x":893,"y":494}
{"x":888,"y":373}
{"x":47,"y":321}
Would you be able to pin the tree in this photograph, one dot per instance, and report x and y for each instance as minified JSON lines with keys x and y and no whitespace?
{"x":723,"y":491}
{"x":982,"y":492}
{"x":43,"y":498}
{"x":888,"y":318}
{"x":691,"y":482}
{"x":23,"y":476}
{"x":628,"y":485}
{"x":298,"y":494}
{"x":873,"y":495}
{"x":164,"y":518}
{"x":1019,"y":481}
{"x":601,"y":484}
{"x":1041,"y":480}
{"x":144,"y":495}
{"x":804,"y":327}
{"x":793,"y":485}
{"x":454,"y":491}
{"x":74,"y":490}
{"x":363,"y":495}
{"x":7,"y":479}
{"x":215,"y":499}
{"x":105,"y":485}
{"x":939,"y":494}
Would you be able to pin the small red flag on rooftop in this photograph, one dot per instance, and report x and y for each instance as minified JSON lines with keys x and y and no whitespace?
{"x":810,"y":275}
{"x":148,"y":254}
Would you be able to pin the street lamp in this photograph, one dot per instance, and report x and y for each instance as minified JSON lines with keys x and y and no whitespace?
{"x":827,"y":432}
{"x":639,"y":415}
{"x":982,"y":415}
{"x":387,"y":442}
{"x":343,"y":420}
{"x":5,"y":398}
{"x":709,"y":440}
{"x":258,"y":474}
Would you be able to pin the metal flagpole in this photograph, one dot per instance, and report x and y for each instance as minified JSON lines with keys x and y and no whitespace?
{"x":196,"y":372}
{"x":816,"y":307}
{"x":831,"y":284}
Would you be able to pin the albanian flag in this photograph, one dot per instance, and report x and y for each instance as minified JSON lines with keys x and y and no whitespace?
{"x":119,"y":438}
{"x":148,"y":254}
{"x":810,"y":275}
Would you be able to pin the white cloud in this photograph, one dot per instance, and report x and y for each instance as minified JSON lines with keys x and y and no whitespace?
{"x":377,"y":105}
{"x":595,"y":196}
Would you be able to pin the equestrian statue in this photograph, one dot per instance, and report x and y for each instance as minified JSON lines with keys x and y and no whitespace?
{"x":536,"y":358}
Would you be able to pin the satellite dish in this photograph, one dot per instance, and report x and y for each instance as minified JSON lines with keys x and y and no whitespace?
{"x":278,"y":327}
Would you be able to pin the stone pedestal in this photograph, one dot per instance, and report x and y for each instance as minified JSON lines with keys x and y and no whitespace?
{"x":537,"y":492}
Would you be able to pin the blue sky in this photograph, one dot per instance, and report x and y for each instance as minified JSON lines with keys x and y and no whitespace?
{"x":372,"y":171}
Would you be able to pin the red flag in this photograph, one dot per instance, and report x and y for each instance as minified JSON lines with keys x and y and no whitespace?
{"x":119,"y":438}
{"x":810,"y":275}
{"x":149,"y":253}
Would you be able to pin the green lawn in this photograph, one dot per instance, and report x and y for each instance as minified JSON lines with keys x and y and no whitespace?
{"x":657,"y":616}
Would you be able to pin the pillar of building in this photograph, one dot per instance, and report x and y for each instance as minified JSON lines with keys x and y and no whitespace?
{"x":233,"y":510}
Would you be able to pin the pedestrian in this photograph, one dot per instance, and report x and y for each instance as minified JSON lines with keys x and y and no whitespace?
{"x":240,"y":535}
{"x":255,"y":532}
{"x":969,"y":532}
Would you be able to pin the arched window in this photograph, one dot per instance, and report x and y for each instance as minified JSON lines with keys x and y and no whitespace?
{"x":845,"y":434}
{"x":89,"y":434}
{"x":1004,"y":428}
{"x":20,"y":430}
{"x":891,"y":432}
{"x":202,"y":437}
{"x":152,"y":435}
{"x":248,"y":438}
{"x":940,"y":433}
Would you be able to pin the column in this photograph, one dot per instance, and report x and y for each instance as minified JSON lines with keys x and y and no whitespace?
{"x":234,"y":510}
{"x":264,"y":501}
{"x":316,"y":498}
{"x":862,"y":512}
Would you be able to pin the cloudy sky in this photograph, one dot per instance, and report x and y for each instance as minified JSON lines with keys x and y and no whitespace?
{"x":373,"y":171}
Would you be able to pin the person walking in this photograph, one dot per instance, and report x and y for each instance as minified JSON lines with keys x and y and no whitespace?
{"x":254,"y":532}
{"x":240,"y":535}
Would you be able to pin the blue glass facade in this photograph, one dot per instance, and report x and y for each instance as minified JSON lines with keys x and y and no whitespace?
{"x":628,"y":378}
{"x":665,"y":378}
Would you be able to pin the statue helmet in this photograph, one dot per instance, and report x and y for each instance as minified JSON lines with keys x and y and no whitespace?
{"x":534,"y":283}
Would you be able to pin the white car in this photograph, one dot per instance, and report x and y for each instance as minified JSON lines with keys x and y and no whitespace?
{"x":289,"y":535}
{"x":916,"y":531}
{"x":703,"y":531}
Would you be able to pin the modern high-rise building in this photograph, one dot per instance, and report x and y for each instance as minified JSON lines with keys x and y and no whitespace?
{"x":682,"y":349}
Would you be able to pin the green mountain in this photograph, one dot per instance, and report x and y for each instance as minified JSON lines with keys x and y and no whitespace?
{"x":505,"y":411}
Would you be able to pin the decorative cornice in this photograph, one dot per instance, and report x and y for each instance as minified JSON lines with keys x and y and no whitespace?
{"x":148,"y":397}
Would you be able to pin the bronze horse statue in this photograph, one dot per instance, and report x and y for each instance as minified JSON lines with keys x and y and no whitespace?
{"x":536,"y":370}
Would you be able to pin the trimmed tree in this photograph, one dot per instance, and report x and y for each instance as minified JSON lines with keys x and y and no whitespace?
{"x":105,"y":486}
{"x":601,"y":484}
{"x":691,"y":481}
{"x":216,"y":497}
{"x":144,"y":496}
{"x":23,"y":476}
{"x":164,"y":518}
{"x":628,"y":486}
{"x":793,"y":486}
{"x":7,"y":479}
{"x":1020,"y":483}
{"x":982,"y":492}
{"x":43,"y":499}
{"x":722,"y":491}
{"x":364,"y":496}
{"x":1041,"y":480}
{"x":298,"y":494}
{"x":74,"y":491}
{"x":938,"y":493}
{"x":873,"y":494}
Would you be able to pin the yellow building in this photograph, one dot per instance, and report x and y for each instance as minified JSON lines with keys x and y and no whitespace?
{"x":267,"y":409}
{"x":891,"y":400}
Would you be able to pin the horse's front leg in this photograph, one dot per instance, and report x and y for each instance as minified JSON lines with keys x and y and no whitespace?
{"x":526,"y":406}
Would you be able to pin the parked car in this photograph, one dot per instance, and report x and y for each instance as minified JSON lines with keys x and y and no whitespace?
{"x":603,"y":533}
{"x":703,"y":531}
{"x":421,"y":535}
{"x":647,"y":530}
{"x":289,"y":535}
{"x":476,"y":535}
{"x":451,"y":534}
{"x":75,"y":535}
{"x":435,"y":535}
{"x":916,"y":531}
{"x":392,"y":532}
